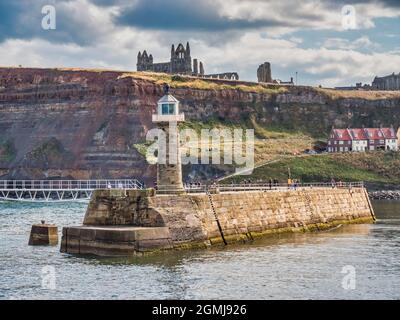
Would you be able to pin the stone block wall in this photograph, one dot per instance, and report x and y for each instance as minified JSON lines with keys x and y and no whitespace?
{"x":190,"y":217}
{"x":115,"y":241}
{"x":253,"y":213}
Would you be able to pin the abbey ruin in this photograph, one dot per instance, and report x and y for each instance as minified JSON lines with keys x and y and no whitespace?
{"x":264,"y":75}
{"x":264,"y":72}
{"x":390,"y":82}
{"x":180,"y":63}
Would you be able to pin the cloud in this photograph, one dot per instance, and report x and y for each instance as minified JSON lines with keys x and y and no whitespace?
{"x":329,"y":67}
{"x":227,"y":35}
{"x":188,"y":15}
{"x":85,"y":22}
{"x":78,"y":21}
{"x":345,"y":44}
{"x":326,"y":66}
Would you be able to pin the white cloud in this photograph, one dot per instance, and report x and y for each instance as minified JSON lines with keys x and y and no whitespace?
{"x":338,"y":62}
{"x":340,"y":43}
{"x":311,"y":14}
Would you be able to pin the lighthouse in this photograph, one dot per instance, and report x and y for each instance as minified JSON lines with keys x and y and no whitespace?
{"x":169,"y":167}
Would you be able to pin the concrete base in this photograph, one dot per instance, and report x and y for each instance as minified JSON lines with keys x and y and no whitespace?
{"x":114,"y":240}
{"x":43,"y":234}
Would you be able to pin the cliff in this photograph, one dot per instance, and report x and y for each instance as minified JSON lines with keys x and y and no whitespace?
{"x":86,"y":123}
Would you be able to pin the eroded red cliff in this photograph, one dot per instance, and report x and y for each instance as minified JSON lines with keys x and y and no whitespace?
{"x":84,"y":124}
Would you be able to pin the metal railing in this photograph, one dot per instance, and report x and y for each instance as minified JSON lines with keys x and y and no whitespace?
{"x":70,"y":184}
{"x":196,"y":188}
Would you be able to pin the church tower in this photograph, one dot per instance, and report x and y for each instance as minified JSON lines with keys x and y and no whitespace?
{"x":169,"y":167}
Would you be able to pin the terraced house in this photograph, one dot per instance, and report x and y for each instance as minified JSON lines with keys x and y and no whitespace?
{"x":364,"y":139}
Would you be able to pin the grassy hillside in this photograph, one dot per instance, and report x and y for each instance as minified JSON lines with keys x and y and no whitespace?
{"x":178,"y":81}
{"x":276,"y":150}
{"x":269,"y":144}
{"x":359,"y":94}
{"x":376,"y":168}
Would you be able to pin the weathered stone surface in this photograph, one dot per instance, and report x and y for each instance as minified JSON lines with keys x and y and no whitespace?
{"x":264,"y":72}
{"x":174,"y":221}
{"x":43,"y":234}
{"x":169,"y":174}
{"x":385,"y":195}
{"x":114,"y":240}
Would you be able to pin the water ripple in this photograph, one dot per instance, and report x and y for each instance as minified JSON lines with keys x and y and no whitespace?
{"x":300,"y":266}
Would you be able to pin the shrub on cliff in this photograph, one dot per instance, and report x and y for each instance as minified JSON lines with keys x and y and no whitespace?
{"x":7,"y":151}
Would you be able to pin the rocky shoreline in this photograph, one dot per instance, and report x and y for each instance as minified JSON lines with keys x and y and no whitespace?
{"x":385,"y":195}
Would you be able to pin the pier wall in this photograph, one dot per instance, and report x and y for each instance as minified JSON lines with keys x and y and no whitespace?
{"x":201,"y":219}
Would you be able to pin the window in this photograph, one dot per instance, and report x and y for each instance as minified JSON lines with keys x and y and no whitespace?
{"x":381,"y":141}
{"x":168,"y":108}
{"x":341,"y":142}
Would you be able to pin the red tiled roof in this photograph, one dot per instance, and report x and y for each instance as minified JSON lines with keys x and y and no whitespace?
{"x":389,"y":133}
{"x":341,"y":134}
{"x":364,"y":134}
{"x":373,"y":133}
{"x":358,"y":134}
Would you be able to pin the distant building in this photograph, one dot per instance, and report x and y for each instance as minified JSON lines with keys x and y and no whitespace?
{"x":391,"y":82}
{"x":180,"y":63}
{"x":264,"y":74}
{"x":278,"y":81}
{"x":223,"y":76}
{"x":364,"y":139}
{"x":358,"y":86}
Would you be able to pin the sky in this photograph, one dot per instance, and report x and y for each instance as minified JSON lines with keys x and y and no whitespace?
{"x":328,"y":43}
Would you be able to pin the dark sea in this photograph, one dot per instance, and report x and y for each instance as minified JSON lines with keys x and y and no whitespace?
{"x":349,"y":262}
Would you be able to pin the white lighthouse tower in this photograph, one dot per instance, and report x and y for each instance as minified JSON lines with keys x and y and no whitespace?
{"x":169,"y":171}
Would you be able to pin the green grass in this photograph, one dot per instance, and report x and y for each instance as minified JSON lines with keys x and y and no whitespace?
{"x":375,"y":168}
{"x":178,"y":81}
{"x":358,"y":94}
{"x":142,"y":147}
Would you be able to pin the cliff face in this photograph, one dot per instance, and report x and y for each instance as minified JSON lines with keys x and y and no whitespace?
{"x":83,"y":124}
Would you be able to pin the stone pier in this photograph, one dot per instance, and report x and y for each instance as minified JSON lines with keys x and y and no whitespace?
{"x":130,"y":222}
{"x":135,"y":222}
